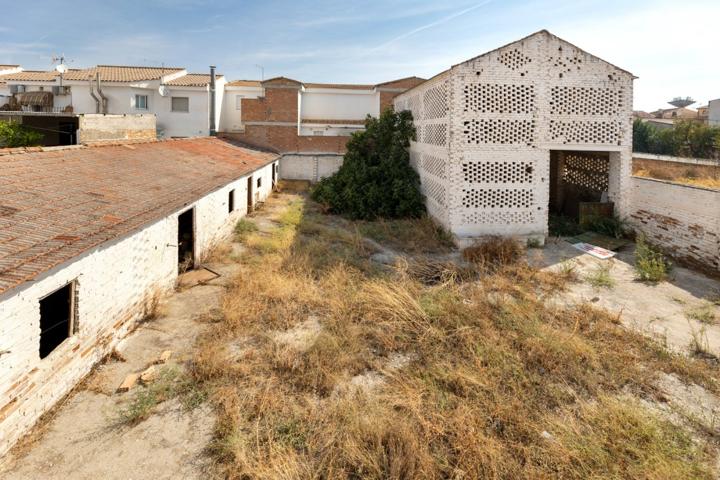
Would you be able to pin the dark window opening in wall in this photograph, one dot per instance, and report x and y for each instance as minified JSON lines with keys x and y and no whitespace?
{"x":274,"y":175}
{"x":231,"y":201}
{"x":186,"y":241}
{"x":56,"y":318}
{"x":259,"y":182}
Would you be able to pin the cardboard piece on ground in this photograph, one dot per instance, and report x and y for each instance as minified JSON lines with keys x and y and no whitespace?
{"x":595,"y":251}
{"x":196,"y":277}
{"x":128,"y":383}
{"x":164,"y":357}
{"x":609,"y":243}
{"x":149,"y":374}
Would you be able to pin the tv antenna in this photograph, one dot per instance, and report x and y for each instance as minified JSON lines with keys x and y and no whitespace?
{"x":60,"y":63}
{"x":262,"y":71}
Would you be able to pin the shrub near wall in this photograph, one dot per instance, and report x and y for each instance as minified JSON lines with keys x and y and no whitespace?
{"x":685,"y":139}
{"x":376,"y":179}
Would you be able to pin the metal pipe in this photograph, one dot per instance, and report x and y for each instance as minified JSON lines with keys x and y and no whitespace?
{"x":213,"y":130}
{"x":99,"y":90}
{"x":92,"y":94}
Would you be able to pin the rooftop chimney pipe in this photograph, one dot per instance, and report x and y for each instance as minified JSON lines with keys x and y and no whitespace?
{"x":213,"y":130}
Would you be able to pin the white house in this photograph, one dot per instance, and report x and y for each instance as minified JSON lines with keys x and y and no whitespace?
{"x":181,"y":101}
{"x":90,"y":238}
{"x":535,"y":127}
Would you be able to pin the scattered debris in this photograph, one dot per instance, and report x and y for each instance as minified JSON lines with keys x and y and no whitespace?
{"x":594,"y":250}
{"x":129,"y":382}
{"x":149,"y":375}
{"x":164,"y":357}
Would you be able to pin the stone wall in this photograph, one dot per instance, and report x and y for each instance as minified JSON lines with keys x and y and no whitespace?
{"x":681,"y":219}
{"x":99,"y":128}
{"x":115,"y":284}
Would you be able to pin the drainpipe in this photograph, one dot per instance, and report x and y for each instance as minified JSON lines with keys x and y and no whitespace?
{"x":213,"y":130}
{"x":99,"y":90}
{"x":92,"y":94}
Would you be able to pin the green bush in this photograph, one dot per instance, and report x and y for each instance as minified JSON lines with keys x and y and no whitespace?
{"x":650,"y":264}
{"x":13,"y":134}
{"x":376,"y":179}
{"x":684,"y":139}
{"x":611,"y":226}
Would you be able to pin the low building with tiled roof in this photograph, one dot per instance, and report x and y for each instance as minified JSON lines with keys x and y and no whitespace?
{"x":125,"y":73}
{"x":89,"y":236}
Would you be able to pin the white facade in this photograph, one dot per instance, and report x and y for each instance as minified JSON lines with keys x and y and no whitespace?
{"x":714,"y":113}
{"x":111,"y":295}
{"x":322,"y":110}
{"x":486,"y":129}
{"x":231,"y":119}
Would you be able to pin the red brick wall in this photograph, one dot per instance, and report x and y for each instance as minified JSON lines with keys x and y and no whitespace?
{"x":284,"y":139}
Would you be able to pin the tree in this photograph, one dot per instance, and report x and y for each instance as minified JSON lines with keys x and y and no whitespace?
{"x":376,"y":179}
{"x":13,"y":134}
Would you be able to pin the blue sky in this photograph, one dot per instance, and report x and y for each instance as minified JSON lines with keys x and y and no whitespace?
{"x":670,"y":45}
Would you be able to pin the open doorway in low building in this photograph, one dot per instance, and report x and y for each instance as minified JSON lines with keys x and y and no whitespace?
{"x":249,"y":194}
{"x":186,"y":240}
{"x":579,"y":183}
{"x":274,"y":175}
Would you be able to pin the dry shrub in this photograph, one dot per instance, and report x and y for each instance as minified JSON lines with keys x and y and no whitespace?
{"x":433,"y":272}
{"x":490,"y":367}
{"x":494,"y":252}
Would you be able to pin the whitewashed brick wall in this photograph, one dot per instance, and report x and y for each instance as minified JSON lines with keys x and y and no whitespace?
{"x":308,"y":166}
{"x":115,"y":282}
{"x":681,"y":219}
{"x":506,"y":110}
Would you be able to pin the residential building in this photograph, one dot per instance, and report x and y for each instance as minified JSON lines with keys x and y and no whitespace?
{"x":714,"y":113}
{"x":535,"y":127}
{"x":676,"y":113}
{"x":180,"y":100}
{"x":89,"y":238}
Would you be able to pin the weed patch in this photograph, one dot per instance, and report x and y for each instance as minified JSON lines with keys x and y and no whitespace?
{"x":650,"y":264}
{"x":600,"y":277}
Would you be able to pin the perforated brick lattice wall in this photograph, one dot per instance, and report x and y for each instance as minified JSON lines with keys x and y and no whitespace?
{"x":506,"y":218}
{"x":497,"y":172}
{"x":434,"y":166}
{"x":498,"y":98}
{"x":413,"y":104}
{"x":587,"y":170}
{"x":586,"y":131}
{"x":435,"y":134}
{"x":498,"y":131}
{"x":434,"y":190}
{"x":585,"y":101}
{"x":508,"y":198}
{"x":514,"y":59}
{"x":435,"y":102}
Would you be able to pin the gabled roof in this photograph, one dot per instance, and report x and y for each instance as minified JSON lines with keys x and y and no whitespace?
{"x":192,"y":80}
{"x":122,"y":73}
{"x":244,"y":83}
{"x":32,"y":76}
{"x":60,"y":203}
{"x":281,"y":81}
{"x":412,"y":79}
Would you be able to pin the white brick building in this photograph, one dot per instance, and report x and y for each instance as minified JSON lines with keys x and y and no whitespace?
{"x":88,"y":236}
{"x":534,"y":127}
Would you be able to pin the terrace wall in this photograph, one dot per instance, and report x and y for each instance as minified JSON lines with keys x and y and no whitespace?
{"x":681,"y":219}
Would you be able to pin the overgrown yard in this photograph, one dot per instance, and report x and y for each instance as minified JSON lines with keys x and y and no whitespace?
{"x":328,"y":363}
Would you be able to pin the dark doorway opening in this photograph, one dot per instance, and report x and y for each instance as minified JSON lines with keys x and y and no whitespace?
{"x":231,"y":201}
{"x":249,"y":194}
{"x":274,"y":175}
{"x":56,"y":315}
{"x":577,"y":178}
{"x":186,"y":240}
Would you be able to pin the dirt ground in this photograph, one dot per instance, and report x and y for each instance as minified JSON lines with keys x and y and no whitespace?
{"x":83,"y":439}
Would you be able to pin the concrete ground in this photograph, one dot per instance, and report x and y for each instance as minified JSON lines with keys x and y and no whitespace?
{"x":665,"y":310}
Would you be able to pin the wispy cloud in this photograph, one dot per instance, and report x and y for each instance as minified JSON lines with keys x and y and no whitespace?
{"x":430,"y":25}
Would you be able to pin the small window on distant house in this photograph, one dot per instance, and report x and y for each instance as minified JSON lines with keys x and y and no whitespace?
{"x":231,"y":201}
{"x":56,"y":318}
{"x":259,"y":182}
{"x":141,"y":102}
{"x":238,"y":102}
{"x":180,"y":104}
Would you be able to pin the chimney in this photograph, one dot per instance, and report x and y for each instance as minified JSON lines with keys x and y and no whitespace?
{"x":213,"y":130}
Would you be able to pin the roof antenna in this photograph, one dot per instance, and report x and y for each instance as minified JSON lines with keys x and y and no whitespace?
{"x":262,"y":71}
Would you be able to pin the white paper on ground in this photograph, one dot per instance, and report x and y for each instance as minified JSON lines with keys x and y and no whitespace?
{"x":595,"y":251}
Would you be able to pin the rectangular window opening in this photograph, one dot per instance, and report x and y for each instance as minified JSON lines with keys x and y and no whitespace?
{"x":180,"y":104}
{"x":56,"y":318}
{"x":231,"y":201}
{"x":141,"y":102}
{"x":259,"y":182}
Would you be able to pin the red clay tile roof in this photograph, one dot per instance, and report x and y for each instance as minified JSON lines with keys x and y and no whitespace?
{"x":244,"y":83}
{"x":32,"y":76}
{"x":192,"y":80}
{"x":59,"y":203}
{"x":122,"y":73}
{"x":343,"y":86}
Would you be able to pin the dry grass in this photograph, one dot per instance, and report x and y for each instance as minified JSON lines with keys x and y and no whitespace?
{"x":415,"y":236}
{"x":699,"y":175}
{"x":494,"y":252}
{"x":493,"y":383}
